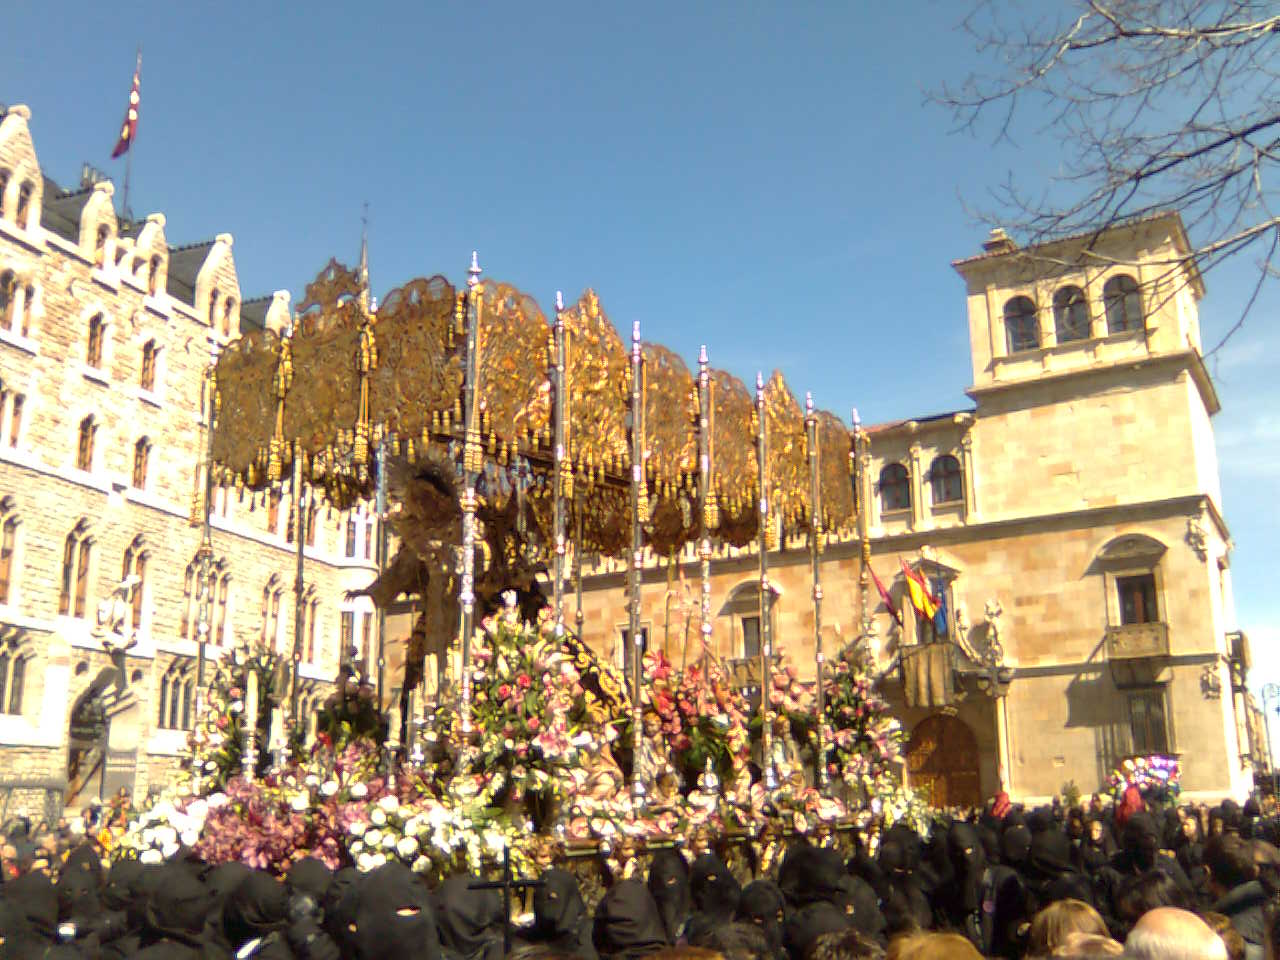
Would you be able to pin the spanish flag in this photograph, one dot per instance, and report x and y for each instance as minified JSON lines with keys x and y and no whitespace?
{"x":925,"y":602}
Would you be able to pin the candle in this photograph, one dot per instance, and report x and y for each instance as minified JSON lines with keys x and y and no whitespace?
{"x":251,"y":701}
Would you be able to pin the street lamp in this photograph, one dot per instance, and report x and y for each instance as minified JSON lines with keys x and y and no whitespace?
{"x":1270,"y":691}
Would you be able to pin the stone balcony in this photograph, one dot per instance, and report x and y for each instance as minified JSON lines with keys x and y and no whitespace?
{"x":1137,"y":641}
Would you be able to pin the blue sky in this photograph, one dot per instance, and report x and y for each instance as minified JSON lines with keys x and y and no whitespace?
{"x":764,"y":178}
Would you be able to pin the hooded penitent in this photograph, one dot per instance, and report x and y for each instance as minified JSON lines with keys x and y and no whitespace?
{"x":805,"y":924}
{"x":311,"y":877}
{"x":255,"y":909}
{"x":669,"y":886}
{"x":560,"y":919}
{"x":177,"y":911}
{"x":469,"y":921}
{"x":905,"y":905}
{"x":392,"y":917}
{"x":715,"y":893}
{"x":36,"y":900}
{"x":627,"y":925}
{"x":762,"y":904}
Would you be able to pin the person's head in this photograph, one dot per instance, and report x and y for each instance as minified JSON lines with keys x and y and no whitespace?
{"x":844,"y":945}
{"x":1230,"y":862}
{"x":1089,"y":945}
{"x":1051,"y":926}
{"x":1153,"y":889}
{"x":1167,"y":933}
{"x":932,"y":946}
{"x":1220,"y":924}
{"x":737,"y":941}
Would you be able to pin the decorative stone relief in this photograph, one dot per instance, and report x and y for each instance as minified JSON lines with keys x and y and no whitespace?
{"x":1196,"y":538}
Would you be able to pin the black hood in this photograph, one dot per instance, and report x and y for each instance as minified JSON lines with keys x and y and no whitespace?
{"x":762,"y":904}
{"x":469,"y":921}
{"x":669,"y":886}
{"x":627,"y":925}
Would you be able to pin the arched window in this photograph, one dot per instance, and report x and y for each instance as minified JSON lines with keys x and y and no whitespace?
{"x":1021,"y":325}
{"x":87,"y":437}
{"x":311,"y":524}
{"x":97,"y":334}
{"x":13,"y":673}
{"x":153,"y":276}
{"x":271,"y":595}
{"x":177,"y":689}
{"x":100,"y":244}
{"x":17,"y":402}
{"x":273,"y":512}
{"x":227,"y":309}
{"x":21,"y":215}
{"x":310,"y":613}
{"x":135,"y":565}
{"x":141,"y":462}
{"x":8,"y":299}
{"x":895,"y":488}
{"x":28,"y":304}
{"x":213,"y":309}
{"x":147,"y":376}
{"x":1123,"y":301}
{"x":8,"y":560}
{"x":946,"y":480}
{"x":1070,"y":314}
{"x":73,"y":599}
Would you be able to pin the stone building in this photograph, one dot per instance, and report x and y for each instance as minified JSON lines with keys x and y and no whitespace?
{"x":1071,"y":520}
{"x":106,"y":334}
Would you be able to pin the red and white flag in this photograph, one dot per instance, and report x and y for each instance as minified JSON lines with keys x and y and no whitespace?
{"x":129,"y":129}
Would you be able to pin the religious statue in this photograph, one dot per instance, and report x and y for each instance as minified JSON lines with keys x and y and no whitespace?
{"x":654,"y":765}
{"x":601,"y":778}
{"x":114,"y":616}
{"x":622,"y":861}
{"x":785,"y":756}
{"x":771,"y":847}
{"x":995,"y":650}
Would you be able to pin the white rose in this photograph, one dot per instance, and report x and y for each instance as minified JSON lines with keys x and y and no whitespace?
{"x":329,"y":788}
{"x":357,"y":829}
{"x":378,"y":859}
{"x":312,"y":780}
{"x":365,"y":862}
{"x":190,"y":837}
{"x":421,"y":865}
{"x":407,"y":847}
{"x":389,"y":841}
{"x":150,"y":856}
{"x":300,"y":802}
{"x":373,"y":837}
{"x":378,"y":816}
{"x":169,"y":849}
{"x":359,"y":790}
{"x":357,"y":848}
{"x":438,"y":815}
{"x":389,"y":803}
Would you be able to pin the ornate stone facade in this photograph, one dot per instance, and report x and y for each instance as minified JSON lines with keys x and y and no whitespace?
{"x":1073,"y":516}
{"x":106,"y":334}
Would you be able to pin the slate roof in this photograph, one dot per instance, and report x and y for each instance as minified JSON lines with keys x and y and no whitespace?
{"x":61,"y":209}
{"x":184,"y":265}
{"x":253,"y":314}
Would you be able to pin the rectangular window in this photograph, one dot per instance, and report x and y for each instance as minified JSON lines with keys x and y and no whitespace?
{"x":368,"y":538}
{"x":147,"y":380}
{"x":141,"y":455}
{"x":8,"y":537}
{"x":93,"y":353}
{"x":84,"y":448}
{"x":1138,"y":599}
{"x":351,"y":537}
{"x":15,"y":419}
{"x":1147,"y":721}
{"x":750,"y":637}
{"x":347,"y":633}
{"x":311,"y":526}
{"x":366,"y":636}
{"x":82,"y":580}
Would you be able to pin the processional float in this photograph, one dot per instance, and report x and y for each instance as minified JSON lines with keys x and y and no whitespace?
{"x":505,"y":441}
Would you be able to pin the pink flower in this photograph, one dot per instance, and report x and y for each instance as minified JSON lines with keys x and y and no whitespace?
{"x":523,"y":681}
{"x":504,"y":691}
{"x":533,"y":723}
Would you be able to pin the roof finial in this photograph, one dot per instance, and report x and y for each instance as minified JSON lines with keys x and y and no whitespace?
{"x":808,"y":403}
{"x":559,"y":301}
{"x":473,"y":271}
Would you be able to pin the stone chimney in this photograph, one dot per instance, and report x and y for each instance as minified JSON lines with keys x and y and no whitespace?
{"x":998,"y":242}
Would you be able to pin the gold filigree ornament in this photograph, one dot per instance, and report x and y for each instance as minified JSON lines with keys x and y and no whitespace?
{"x":512,"y":389}
{"x":734,"y":474}
{"x":788,"y":466}
{"x":834,"y":444}
{"x":245,"y":395}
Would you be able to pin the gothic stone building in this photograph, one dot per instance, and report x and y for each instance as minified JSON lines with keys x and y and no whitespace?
{"x":106,"y":334}
{"x":1072,"y":520}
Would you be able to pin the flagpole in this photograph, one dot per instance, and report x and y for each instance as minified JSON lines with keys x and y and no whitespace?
{"x":128,"y":154}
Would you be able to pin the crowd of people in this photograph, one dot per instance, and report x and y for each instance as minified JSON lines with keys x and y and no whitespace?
{"x":1184,"y":883}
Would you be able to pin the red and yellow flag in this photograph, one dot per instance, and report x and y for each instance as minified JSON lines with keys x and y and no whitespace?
{"x":130,"y":127}
{"x":924,"y":601}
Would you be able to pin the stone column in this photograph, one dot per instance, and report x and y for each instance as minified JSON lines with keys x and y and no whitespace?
{"x":917,"y":488}
{"x":970,"y":477}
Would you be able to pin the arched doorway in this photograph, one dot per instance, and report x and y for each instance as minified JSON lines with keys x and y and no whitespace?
{"x":942,"y":761}
{"x":87,"y":748}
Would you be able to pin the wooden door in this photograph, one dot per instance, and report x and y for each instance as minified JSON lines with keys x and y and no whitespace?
{"x":942,"y":762}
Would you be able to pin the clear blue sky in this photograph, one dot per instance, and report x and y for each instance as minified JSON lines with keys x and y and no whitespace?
{"x":764,"y":178}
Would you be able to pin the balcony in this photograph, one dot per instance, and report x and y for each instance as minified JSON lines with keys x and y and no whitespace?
{"x":1137,"y":641}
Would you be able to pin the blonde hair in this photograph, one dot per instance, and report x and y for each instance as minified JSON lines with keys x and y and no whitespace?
{"x":1080,"y":944}
{"x":1052,"y":925}
{"x":932,"y":946}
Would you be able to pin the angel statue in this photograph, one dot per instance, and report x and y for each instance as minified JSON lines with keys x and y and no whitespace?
{"x":115,"y":629}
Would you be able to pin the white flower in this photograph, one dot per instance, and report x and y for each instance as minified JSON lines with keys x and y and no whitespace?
{"x":190,"y":837}
{"x":357,"y":829}
{"x":365,"y":862}
{"x":389,"y":841}
{"x":150,"y":856}
{"x":407,"y":847}
{"x":300,"y":801}
{"x":312,"y":780}
{"x":413,"y":825}
{"x":438,"y":815}
{"x":378,"y":816}
{"x":373,"y":837}
{"x":329,"y":788}
{"x":169,"y":849}
{"x":389,"y":803}
{"x":378,"y":859}
{"x":357,"y":848}
{"x":359,"y":790}
{"x":421,"y":865}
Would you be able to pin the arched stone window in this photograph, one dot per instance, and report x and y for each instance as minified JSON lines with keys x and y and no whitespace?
{"x":28,"y":307}
{"x":141,"y":463}
{"x":100,"y":238}
{"x":213,"y":309}
{"x":310,"y":614}
{"x":1122,"y":298}
{"x":22,"y":215}
{"x":8,"y":551}
{"x":147,"y":374}
{"x":14,"y":654}
{"x":228,"y":314}
{"x":1070,"y":314}
{"x":271,"y":597}
{"x":1021,"y":325}
{"x":946,"y":480}
{"x":895,"y":488}
{"x":177,"y":694}
{"x":77,"y":554}
{"x":135,"y":565}
{"x":97,"y":338}
{"x":8,"y":300}
{"x":153,"y":276}
{"x":221,"y":601}
{"x":87,"y":438}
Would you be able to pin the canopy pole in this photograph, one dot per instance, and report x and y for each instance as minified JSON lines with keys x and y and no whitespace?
{"x":709,"y":511}
{"x":815,"y":565}
{"x":638,"y":511}
{"x":766,"y":628}
{"x":562,"y":478}
{"x":471,"y":465}
{"x":299,"y":580}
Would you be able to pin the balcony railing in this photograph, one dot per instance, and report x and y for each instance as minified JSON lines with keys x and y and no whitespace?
{"x":1135,"y":641}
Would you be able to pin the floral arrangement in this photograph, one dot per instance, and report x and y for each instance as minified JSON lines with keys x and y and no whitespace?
{"x":863,"y":739}
{"x":1158,"y":778}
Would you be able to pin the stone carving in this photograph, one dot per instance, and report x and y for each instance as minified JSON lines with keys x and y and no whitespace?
{"x":114,"y":627}
{"x":1196,"y":538}
{"x":1210,"y":683}
{"x":995,"y":649}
